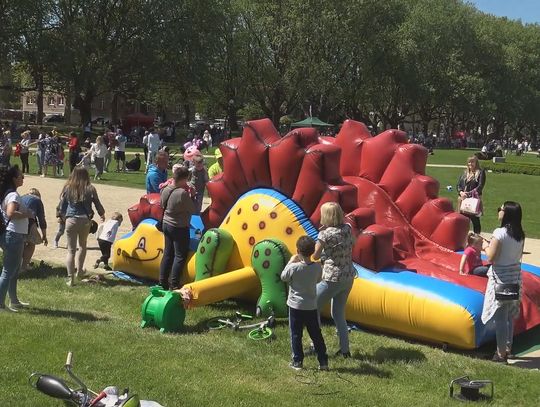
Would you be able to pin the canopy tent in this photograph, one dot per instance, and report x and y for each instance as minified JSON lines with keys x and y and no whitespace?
{"x":311,"y":122}
{"x":136,"y":119}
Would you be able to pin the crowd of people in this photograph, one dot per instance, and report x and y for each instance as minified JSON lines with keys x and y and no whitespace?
{"x":320,"y":272}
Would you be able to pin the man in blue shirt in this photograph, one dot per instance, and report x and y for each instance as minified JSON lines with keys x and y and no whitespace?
{"x":157,"y":172}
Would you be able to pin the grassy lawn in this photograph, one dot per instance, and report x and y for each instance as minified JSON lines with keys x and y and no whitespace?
{"x":500,"y":187}
{"x":459,"y":157}
{"x":100,"y":324}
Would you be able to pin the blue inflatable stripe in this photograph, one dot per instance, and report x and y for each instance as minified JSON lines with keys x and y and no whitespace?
{"x":425,"y":286}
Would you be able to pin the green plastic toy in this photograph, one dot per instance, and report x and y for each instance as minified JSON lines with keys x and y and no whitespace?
{"x":213,"y":253}
{"x":268,"y":259}
{"x":163,"y":309}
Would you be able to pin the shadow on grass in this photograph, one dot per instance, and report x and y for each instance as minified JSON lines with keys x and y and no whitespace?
{"x":393,"y":355}
{"x":42,"y":271}
{"x":365,"y":369}
{"x":57,"y":313}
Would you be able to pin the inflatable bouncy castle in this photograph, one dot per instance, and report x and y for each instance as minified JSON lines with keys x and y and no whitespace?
{"x":270,"y":193}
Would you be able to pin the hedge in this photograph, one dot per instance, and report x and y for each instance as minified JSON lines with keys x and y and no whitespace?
{"x":512,"y":168}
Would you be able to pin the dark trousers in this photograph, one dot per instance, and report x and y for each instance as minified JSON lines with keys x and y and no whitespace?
{"x":477,"y":228}
{"x":480,"y":271}
{"x":73,"y":160}
{"x":174,"y":256}
{"x":24,"y":162}
{"x":105,"y":248}
{"x":298,"y":319}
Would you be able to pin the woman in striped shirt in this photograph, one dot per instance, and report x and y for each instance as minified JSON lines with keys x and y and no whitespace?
{"x":504,"y":252}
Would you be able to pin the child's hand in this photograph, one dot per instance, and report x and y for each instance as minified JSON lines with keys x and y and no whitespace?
{"x":295,"y":258}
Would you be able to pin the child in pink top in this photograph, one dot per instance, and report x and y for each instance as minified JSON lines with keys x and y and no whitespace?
{"x":471,"y":262}
{"x":187,"y":187}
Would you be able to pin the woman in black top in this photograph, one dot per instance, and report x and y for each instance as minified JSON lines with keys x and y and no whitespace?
{"x":470,"y":184}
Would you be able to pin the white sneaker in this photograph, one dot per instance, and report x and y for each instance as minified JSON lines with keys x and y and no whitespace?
{"x":55,"y":244}
{"x":70,"y":282}
{"x":18,"y":305}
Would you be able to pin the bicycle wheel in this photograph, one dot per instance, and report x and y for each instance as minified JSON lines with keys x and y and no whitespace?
{"x":216,"y":323}
{"x":260,"y":334}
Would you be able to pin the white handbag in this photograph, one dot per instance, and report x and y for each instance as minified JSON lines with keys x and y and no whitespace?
{"x":471,"y":206}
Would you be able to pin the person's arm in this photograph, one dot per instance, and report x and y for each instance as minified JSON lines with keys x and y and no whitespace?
{"x":97,"y":204}
{"x":40,"y":215}
{"x":462,"y":264}
{"x":481,"y":182}
{"x":318,"y":251}
{"x":286,"y":274}
{"x":492,"y":251}
{"x":13,"y":211}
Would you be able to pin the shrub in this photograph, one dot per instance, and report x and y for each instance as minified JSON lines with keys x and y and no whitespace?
{"x":513,"y":168}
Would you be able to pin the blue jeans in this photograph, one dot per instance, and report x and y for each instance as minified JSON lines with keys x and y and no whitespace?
{"x":337,"y":293}
{"x":504,"y":327}
{"x":308,"y":318}
{"x":12,"y":244}
{"x":174,"y":256}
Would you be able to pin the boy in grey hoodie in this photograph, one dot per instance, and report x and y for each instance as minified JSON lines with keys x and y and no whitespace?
{"x":302,"y":275}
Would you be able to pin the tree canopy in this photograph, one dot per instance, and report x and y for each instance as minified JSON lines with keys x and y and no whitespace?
{"x":385,"y":63}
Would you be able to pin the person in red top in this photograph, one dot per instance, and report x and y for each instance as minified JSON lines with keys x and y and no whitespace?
{"x":74,"y":150}
{"x":471,"y":262}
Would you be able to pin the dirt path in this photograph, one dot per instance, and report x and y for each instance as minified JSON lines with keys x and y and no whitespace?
{"x":119,"y":199}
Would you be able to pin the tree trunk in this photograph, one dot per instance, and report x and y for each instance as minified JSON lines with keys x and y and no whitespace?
{"x":39,"y":100}
{"x":187,"y":113}
{"x":67,"y":105}
{"x":114,"y":108}
{"x":84,"y":106}
{"x":233,"y":118}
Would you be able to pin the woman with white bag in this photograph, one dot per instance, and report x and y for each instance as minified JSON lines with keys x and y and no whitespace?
{"x":469,"y":187}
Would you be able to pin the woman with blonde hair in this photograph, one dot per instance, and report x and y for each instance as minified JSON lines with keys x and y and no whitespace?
{"x":470,"y":185}
{"x":98,"y":151}
{"x":76,"y":208}
{"x":334,"y":247}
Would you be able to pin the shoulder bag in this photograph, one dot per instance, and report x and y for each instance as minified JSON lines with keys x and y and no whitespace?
{"x":159,"y":224}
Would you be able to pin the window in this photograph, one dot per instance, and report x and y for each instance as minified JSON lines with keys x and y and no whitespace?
{"x":30,"y":100}
{"x":61,"y":101}
{"x":51,"y":101}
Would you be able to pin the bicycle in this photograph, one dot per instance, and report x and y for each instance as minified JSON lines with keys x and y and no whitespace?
{"x":261,"y":330}
{"x":58,"y":388}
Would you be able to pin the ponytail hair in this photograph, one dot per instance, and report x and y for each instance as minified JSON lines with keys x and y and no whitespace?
{"x":512,"y":220}
{"x":7,"y":174}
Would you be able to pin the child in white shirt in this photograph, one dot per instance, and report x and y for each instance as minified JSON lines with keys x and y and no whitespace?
{"x":106,"y":234}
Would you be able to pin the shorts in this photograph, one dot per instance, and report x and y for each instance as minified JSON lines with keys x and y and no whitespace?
{"x":120,"y":155}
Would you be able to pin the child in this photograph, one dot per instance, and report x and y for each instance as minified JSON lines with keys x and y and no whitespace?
{"x":471,"y":262}
{"x":187,"y":187}
{"x":199,"y":178}
{"x":61,"y":226}
{"x":302,"y":275}
{"x":86,"y":160}
{"x":106,"y":234}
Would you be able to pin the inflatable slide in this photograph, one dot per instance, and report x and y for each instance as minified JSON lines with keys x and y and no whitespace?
{"x":270,"y":193}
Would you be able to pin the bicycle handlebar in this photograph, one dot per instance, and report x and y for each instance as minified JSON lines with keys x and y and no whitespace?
{"x":69,"y":359}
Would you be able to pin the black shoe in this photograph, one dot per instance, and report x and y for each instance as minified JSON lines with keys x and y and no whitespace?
{"x":296,"y":365}
{"x":323,"y":368}
{"x":107,"y":267}
{"x":346,"y":355}
{"x":498,"y":359}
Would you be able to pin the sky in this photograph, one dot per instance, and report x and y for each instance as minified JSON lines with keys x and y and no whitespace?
{"x":526,"y":10}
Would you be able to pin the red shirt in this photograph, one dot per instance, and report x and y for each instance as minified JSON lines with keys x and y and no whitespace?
{"x":73,"y":144}
{"x":472,"y":259}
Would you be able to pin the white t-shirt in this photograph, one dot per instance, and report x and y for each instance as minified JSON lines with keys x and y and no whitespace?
{"x":510,"y":250}
{"x":153,"y":142}
{"x":107,"y":231}
{"x":98,"y":151}
{"x":15,"y":225}
{"x":120,"y":143}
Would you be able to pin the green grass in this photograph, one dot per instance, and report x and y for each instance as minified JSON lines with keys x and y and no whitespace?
{"x":459,"y":157}
{"x":500,"y":187}
{"x":100,"y":324}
